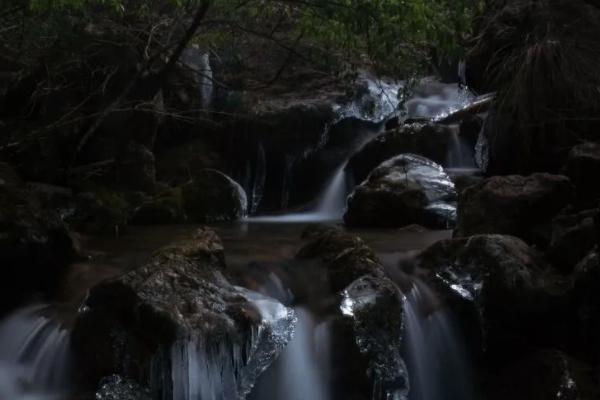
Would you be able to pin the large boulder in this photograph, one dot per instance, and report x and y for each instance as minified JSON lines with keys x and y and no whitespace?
{"x":516,"y":205}
{"x":586,"y":286}
{"x":407,"y":189}
{"x":166,"y":208}
{"x":212,"y":196}
{"x":345,"y":256}
{"x":177,"y":322}
{"x":426,"y":139}
{"x":375,"y":308}
{"x":583,"y":167}
{"x":573,"y":236}
{"x":35,"y":246}
{"x":508,"y":285}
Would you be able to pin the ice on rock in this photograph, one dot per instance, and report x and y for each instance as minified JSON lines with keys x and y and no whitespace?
{"x":377,"y":100}
{"x":468,"y":286}
{"x":227,"y":368}
{"x":375,"y":306}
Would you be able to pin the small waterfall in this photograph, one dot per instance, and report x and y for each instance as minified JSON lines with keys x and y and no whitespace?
{"x":333,"y":200}
{"x":301,"y":371}
{"x":258,"y":180}
{"x":206,"y":81}
{"x":459,"y":154}
{"x":436,"y":357}
{"x":330,"y":205}
{"x":34,"y":356}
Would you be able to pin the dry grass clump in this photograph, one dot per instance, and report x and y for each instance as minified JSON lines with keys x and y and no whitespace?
{"x":543,"y":59}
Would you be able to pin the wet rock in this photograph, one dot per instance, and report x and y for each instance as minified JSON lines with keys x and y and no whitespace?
{"x":35,"y":246}
{"x":346,"y":256}
{"x":164,"y":209}
{"x":543,"y":375}
{"x":573,"y":236}
{"x":583,"y":167}
{"x":326,"y":242}
{"x":115,"y":387}
{"x":428,"y":140}
{"x":515,"y":294}
{"x":176,"y":318}
{"x":212,"y":196}
{"x":516,"y":205}
{"x":465,"y":179}
{"x":374,"y":306}
{"x":102,"y":211}
{"x":407,"y":189}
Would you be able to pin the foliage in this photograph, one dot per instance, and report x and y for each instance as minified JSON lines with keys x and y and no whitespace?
{"x":395,"y":36}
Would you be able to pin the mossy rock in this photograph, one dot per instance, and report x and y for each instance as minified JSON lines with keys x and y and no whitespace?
{"x":212,"y":196}
{"x":165,"y":209}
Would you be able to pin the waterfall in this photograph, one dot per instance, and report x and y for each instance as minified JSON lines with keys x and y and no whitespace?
{"x":436,"y":357}
{"x":332,"y":202}
{"x":301,"y":371}
{"x":258,"y":180}
{"x":34,"y":356}
{"x":460,"y":156}
{"x":206,"y":81}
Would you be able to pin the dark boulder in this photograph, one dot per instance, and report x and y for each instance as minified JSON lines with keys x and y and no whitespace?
{"x":586,"y":286}
{"x":176,"y":318}
{"x":102,"y":211}
{"x":542,"y":375}
{"x":428,"y":140}
{"x":583,"y":167}
{"x":345,"y":255}
{"x":35,"y":246}
{"x":573,"y":236}
{"x":164,"y":209}
{"x":212,"y":196}
{"x":407,"y":189}
{"x":8,"y":176}
{"x":507,"y":283}
{"x":516,"y":205}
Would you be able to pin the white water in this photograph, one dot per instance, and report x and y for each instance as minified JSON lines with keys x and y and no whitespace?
{"x":301,"y":371}
{"x":436,"y":357}
{"x":34,"y":356}
{"x":432,"y":100}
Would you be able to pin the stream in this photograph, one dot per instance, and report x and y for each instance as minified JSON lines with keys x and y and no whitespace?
{"x":35,"y":360}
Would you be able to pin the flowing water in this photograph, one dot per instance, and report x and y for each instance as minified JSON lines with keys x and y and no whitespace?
{"x":34,"y":356}
{"x":435,"y":352}
{"x":34,"y":346}
{"x":300,"y":373}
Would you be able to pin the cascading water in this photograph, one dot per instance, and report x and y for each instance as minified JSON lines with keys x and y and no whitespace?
{"x":300,"y":373}
{"x":34,"y":356}
{"x":436,"y":357}
{"x":432,"y":100}
{"x":460,"y":156}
